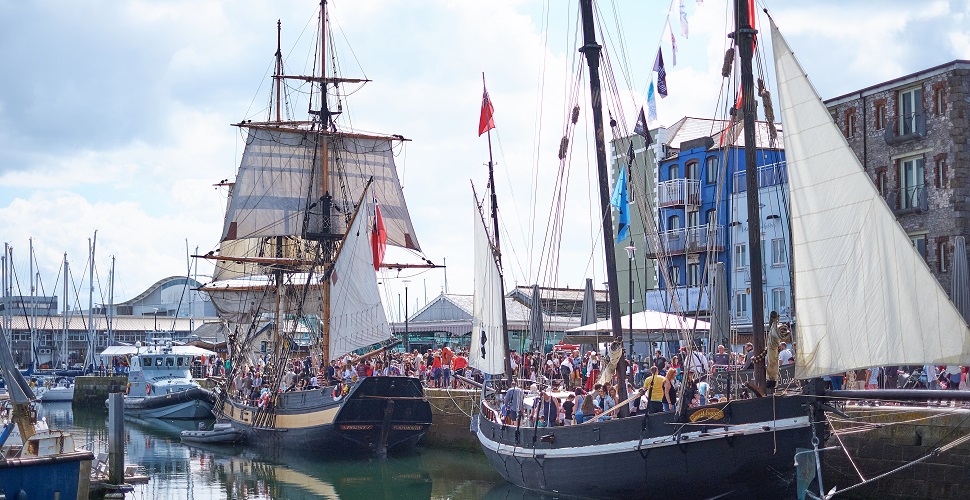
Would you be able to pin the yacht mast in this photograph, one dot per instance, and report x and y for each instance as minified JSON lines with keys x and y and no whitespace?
{"x":745,"y":39}
{"x":63,"y":357}
{"x":33,"y":307}
{"x":591,"y":49}
{"x":89,"y":356}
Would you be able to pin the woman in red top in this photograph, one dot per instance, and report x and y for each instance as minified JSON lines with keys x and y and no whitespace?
{"x":436,"y":370}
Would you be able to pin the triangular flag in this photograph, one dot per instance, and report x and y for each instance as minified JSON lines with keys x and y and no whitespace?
{"x":378,"y":238}
{"x":621,"y":204}
{"x":673,"y":47}
{"x":683,"y":20}
{"x":630,"y":154}
{"x":486,"y":121}
{"x":658,"y":66}
{"x":651,"y":104}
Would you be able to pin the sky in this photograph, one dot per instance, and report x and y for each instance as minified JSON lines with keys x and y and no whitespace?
{"x":115,"y":115}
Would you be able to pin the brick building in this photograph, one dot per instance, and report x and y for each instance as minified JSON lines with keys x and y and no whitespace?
{"x":911,"y":136}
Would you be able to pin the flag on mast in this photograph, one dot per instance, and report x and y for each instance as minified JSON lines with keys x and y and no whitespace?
{"x":486,"y":121}
{"x":641,"y":125}
{"x":621,"y":203}
{"x":651,"y":104}
{"x":378,"y":238}
{"x":658,"y":66}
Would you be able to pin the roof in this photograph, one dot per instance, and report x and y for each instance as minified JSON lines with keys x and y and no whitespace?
{"x":645,"y":323}
{"x":689,"y":128}
{"x":79,"y":321}
{"x":159,"y":284}
{"x":130,"y":350}
{"x":897,"y":82}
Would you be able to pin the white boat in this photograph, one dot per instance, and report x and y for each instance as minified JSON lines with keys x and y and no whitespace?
{"x":61,"y":390}
{"x":160,"y":383}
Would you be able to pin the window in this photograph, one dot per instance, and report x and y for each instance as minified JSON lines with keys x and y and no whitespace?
{"x":673,"y":222}
{"x":850,"y":123}
{"x":919,"y":241}
{"x":779,"y":299}
{"x":674,"y":275}
{"x":693,"y":170}
{"x":740,"y":256}
{"x":911,"y":179}
{"x":882,"y":182}
{"x":939,"y":100}
{"x":673,"y":172}
{"x":880,"y":115}
{"x":262,"y":346}
{"x":941,"y":247}
{"x":778,"y":253}
{"x":939,"y":170}
{"x":693,"y":274}
{"x":693,"y":218}
{"x":910,"y":109}
{"x":741,"y":305}
{"x":169,"y":361}
{"x":710,"y":168}
{"x":179,"y":361}
{"x":158,"y":361}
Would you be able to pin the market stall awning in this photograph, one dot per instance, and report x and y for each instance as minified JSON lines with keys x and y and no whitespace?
{"x":651,"y":326}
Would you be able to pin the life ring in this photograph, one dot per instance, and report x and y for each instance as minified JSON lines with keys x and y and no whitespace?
{"x":148,"y":389}
{"x":337,"y":393}
{"x":127,"y":388}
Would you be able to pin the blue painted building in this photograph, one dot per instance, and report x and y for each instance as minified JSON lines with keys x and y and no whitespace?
{"x":702,"y":216}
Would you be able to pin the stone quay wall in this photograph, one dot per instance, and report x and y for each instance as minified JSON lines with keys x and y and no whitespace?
{"x":451,"y":412}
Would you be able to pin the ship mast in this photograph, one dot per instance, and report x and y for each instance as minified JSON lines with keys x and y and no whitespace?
{"x":745,"y":39}
{"x":324,"y":115}
{"x":591,"y":50}
{"x":498,"y":252}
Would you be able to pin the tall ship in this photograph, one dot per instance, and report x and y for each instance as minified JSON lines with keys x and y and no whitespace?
{"x":854,"y":275}
{"x":312,"y":207}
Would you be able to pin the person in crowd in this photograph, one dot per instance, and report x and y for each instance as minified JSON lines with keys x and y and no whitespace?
{"x":512,"y":405}
{"x":670,"y":390}
{"x":721,"y":357}
{"x":568,"y":408}
{"x":785,"y":356}
{"x":653,"y":389}
{"x":582,"y":399}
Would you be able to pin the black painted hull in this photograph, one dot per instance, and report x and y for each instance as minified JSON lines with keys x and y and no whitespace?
{"x":195,"y":403}
{"x":744,"y":447}
{"x":378,"y":415}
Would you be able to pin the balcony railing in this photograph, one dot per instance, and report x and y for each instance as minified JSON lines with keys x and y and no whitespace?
{"x":686,"y":240}
{"x":908,"y":200}
{"x":768,"y":175}
{"x":905,"y":128}
{"x":679,"y":192}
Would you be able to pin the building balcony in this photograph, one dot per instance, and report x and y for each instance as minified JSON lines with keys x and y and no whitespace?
{"x":908,"y":200}
{"x":679,"y":192}
{"x":768,"y":175}
{"x":686,"y":240}
{"x":905,"y":128}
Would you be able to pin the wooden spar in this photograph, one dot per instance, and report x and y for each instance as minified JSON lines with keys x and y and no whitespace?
{"x":744,"y":38}
{"x":323,"y":79}
{"x":591,"y":50}
{"x":394,"y":343}
{"x":301,"y":127}
{"x":290,"y":262}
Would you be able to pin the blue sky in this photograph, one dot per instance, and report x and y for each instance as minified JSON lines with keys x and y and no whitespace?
{"x":114,"y":115}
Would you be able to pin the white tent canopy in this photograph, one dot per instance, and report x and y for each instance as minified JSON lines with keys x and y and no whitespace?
{"x":647,"y":325}
{"x":130,"y":350}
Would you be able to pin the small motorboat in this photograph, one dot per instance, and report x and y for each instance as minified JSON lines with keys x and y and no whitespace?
{"x":221,"y":433}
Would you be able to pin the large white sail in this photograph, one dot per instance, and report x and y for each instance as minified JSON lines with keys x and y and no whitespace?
{"x":863,"y":294}
{"x":487,"y":350}
{"x":357,"y":317}
{"x":279,"y":178}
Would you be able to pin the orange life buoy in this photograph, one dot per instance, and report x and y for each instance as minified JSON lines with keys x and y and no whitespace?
{"x":148,"y":389}
{"x":337,"y":392}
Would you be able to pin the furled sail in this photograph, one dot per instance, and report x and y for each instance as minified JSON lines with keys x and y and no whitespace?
{"x":279,"y":184}
{"x":487,"y":349}
{"x":357,"y":317}
{"x":242,"y":301}
{"x":863,"y":294}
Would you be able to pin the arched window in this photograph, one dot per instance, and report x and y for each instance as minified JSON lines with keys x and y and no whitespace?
{"x":710,"y":169}
{"x":673,"y":222}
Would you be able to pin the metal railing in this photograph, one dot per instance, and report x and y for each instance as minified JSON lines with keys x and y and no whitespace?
{"x":909,"y":199}
{"x":678,"y":192}
{"x":768,"y":175}
{"x":905,"y":128}
{"x":686,"y":240}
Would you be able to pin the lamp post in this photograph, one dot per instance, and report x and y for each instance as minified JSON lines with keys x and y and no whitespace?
{"x":407,"y":337}
{"x":631,"y":258}
{"x":156,"y":319}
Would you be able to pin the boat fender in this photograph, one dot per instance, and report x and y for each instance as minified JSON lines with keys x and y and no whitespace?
{"x":127,"y":388}
{"x":148,"y":389}
{"x":338,"y":392}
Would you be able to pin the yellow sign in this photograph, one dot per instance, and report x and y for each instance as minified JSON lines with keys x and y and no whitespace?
{"x":707,"y":414}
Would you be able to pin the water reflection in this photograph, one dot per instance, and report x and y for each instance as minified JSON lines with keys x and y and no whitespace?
{"x":178,"y":471}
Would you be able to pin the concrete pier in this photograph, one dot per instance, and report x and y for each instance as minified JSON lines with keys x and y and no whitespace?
{"x":880,"y":439}
{"x":93,"y":391}
{"x":451,"y":412}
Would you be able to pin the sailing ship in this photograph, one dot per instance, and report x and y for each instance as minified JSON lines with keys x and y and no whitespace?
{"x":309,"y":213}
{"x":851,"y":271}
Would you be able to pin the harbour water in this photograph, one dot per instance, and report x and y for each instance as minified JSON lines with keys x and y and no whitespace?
{"x":179,"y":471}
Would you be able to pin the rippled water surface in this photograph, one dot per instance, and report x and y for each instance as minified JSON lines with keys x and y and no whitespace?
{"x":179,"y":471}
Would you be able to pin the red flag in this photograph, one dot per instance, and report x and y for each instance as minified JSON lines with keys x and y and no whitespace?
{"x":486,"y":122}
{"x":378,"y":239}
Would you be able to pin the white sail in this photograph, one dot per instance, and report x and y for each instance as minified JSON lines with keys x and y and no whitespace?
{"x":279,"y":178}
{"x":487,"y":350}
{"x":357,"y":317}
{"x":863,"y":294}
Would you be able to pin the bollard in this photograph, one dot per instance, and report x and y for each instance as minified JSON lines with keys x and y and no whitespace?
{"x":116,"y":438}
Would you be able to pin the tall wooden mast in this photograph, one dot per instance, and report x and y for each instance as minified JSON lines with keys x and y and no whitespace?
{"x":591,"y":49}
{"x":324,"y":174}
{"x":745,"y":39}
